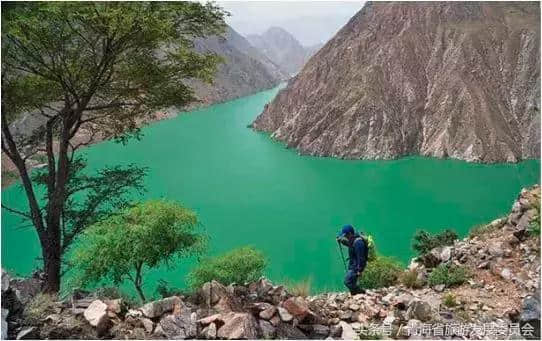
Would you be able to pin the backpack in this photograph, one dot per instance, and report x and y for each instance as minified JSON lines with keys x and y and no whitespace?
{"x":366,"y":242}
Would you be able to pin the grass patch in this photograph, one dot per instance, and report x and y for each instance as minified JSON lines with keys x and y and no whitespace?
{"x":423,"y":241}
{"x":449,"y":300}
{"x":301,"y":288}
{"x":449,"y":275}
{"x":38,"y":308}
{"x":380,"y":272}
{"x":409,"y":278}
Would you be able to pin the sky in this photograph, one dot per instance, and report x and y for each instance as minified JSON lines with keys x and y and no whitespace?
{"x":310,"y":22}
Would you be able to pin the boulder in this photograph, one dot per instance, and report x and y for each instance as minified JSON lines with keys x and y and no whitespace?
{"x":268,"y":313}
{"x":26,"y":288}
{"x":419,"y":310}
{"x":5,"y":281}
{"x":4,"y":326}
{"x":209,"y":332}
{"x":297,"y":306}
{"x":30,"y":333}
{"x":181,"y":326}
{"x":114,"y":306}
{"x":96,"y":313}
{"x":506,"y":274}
{"x":287,"y":331}
{"x":209,"y":319}
{"x":158,"y":308}
{"x":212,"y":292}
{"x":347,"y":332}
{"x":238,"y":326}
{"x":432,"y":258}
{"x":446,"y":253}
{"x":439,"y":287}
{"x":267,"y":329}
{"x":315,"y":331}
{"x":147,"y":324}
{"x":335,"y":331}
{"x":495,"y":249}
{"x":530,"y":315}
{"x":285,"y":316}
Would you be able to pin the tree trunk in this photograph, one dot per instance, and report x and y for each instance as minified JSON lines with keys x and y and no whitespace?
{"x":51,"y":265}
{"x":140,"y":292}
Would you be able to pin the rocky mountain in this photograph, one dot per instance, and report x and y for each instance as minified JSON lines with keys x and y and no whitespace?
{"x":442,"y":79}
{"x":245,"y":69}
{"x":502,"y":291}
{"x":282,"y":48}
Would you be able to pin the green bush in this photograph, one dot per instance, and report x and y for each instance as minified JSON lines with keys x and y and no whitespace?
{"x":423,"y":241}
{"x":409,"y":278}
{"x":534,"y":228}
{"x":448,"y":275}
{"x":245,"y":264}
{"x":380,"y":272}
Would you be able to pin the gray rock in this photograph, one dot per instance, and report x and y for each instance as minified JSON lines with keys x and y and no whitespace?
{"x":28,"y":334}
{"x":285,"y":316}
{"x":446,"y":253}
{"x":5,"y":281}
{"x":348,"y":332}
{"x":335,"y":330}
{"x":4,"y":327}
{"x":238,"y":326}
{"x":439,"y":287}
{"x":209,"y":332}
{"x":289,"y":332}
{"x":96,"y":313}
{"x":268,"y":313}
{"x":495,"y":249}
{"x":268,"y":330}
{"x":147,"y":324}
{"x":181,"y":326}
{"x":506,"y":274}
{"x":530,"y":314}
{"x":158,"y":308}
{"x":419,"y":310}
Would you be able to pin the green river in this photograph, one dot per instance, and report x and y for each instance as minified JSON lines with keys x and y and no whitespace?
{"x":250,"y":190}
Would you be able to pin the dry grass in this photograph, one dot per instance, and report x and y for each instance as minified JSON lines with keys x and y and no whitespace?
{"x":301,"y":288}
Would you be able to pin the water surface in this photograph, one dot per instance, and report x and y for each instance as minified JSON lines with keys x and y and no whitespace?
{"x":250,"y":190}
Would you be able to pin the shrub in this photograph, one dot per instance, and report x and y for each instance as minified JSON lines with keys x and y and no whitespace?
{"x":409,"y":278}
{"x":448,"y":275}
{"x":534,"y":228}
{"x":380,"y":272}
{"x":423,"y":241}
{"x":38,"y":308}
{"x":146,"y":235}
{"x":245,"y":264}
{"x":449,"y":300}
{"x":301,"y":288}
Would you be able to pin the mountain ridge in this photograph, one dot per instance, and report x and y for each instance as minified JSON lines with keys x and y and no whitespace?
{"x":401,"y":79}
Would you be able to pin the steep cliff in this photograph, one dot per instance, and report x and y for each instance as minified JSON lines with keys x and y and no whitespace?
{"x":442,"y":79}
{"x":282,"y":48}
{"x":245,"y":70}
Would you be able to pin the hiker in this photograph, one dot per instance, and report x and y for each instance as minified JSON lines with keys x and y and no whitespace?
{"x":357,"y":257}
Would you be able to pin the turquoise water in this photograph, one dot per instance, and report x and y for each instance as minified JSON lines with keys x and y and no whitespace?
{"x":250,"y":190}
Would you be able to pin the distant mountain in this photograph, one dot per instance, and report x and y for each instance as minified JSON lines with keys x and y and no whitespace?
{"x":443,"y":79}
{"x":245,"y":69}
{"x":281,"y":48}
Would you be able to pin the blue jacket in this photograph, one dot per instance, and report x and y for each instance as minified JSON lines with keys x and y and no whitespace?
{"x":357,"y":255}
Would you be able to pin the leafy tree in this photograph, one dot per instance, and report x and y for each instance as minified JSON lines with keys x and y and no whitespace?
{"x":240,"y":265}
{"x":423,"y":241}
{"x":146,"y":235}
{"x":91,"y":70}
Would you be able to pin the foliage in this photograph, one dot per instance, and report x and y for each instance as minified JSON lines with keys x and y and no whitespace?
{"x":534,"y":228}
{"x":448,"y":275}
{"x":409,"y":278}
{"x":148,"y":234}
{"x":99,"y":67}
{"x":241,"y":265}
{"x":423,"y":241}
{"x":40,"y":306}
{"x":9,"y":176}
{"x":380,"y":272}
{"x":300,"y":288}
{"x":449,"y":300}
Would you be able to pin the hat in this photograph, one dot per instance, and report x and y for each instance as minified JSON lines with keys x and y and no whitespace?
{"x":345,"y":230}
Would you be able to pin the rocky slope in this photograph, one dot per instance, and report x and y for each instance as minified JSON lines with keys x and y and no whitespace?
{"x":282,"y":48}
{"x":501,"y":299}
{"x":442,"y":79}
{"x":245,"y":69}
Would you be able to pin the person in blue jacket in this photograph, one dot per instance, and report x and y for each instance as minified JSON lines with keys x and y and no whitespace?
{"x":357,"y":257}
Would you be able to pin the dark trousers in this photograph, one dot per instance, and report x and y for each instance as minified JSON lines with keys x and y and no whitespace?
{"x":351,"y":282}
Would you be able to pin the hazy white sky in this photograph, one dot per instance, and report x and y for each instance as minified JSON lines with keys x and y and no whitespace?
{"x":310,"y":22}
